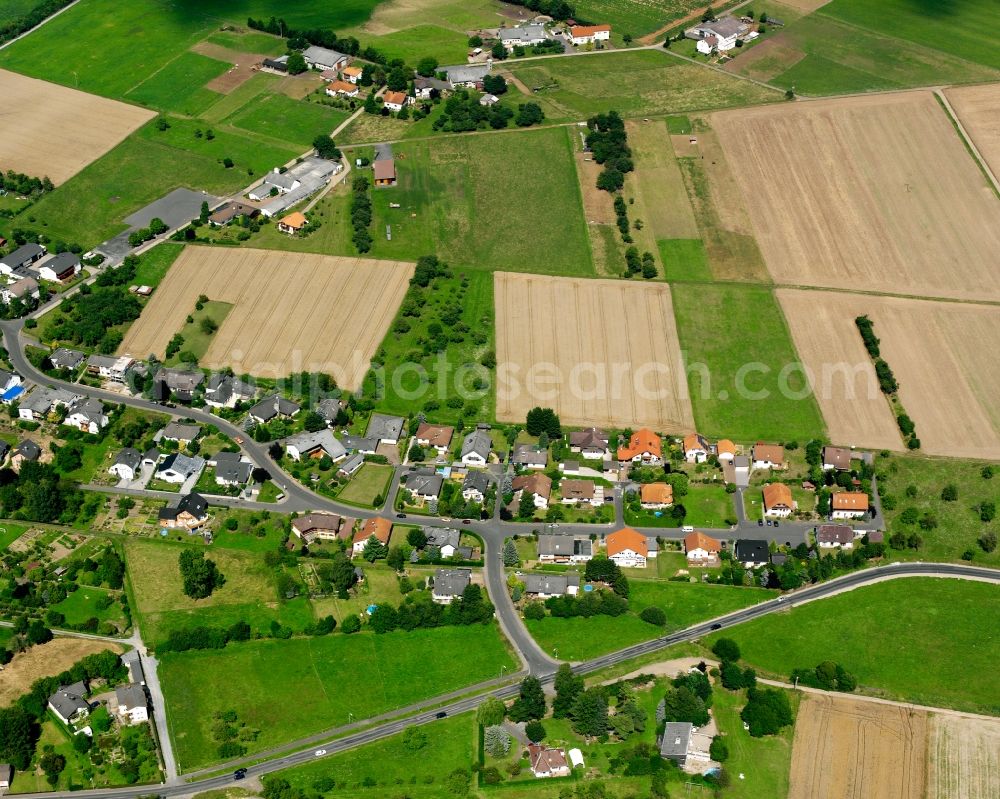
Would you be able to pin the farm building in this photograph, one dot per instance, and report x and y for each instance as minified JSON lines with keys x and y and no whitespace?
{"x":718,"y":35}
{"x":523,"y":36}
{"x":589,"y":34}
{"x":320,"y":58}
{"x":384,"y":172}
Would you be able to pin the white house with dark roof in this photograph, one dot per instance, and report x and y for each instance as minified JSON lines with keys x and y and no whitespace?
{"x":717,"y":35}
{"x":469,"y":76}
{"x":176,"y":467}
{"x":69,"y":703}
{"x":385,"y":428}
{"x":543,"y":586}
{"x":224,"y":391}
{"x":86,"y":414}
{"x":273,"y":407}
{"x":425,"y":484}
{"x":314,"y":445}
{"x":23,"y":256}
{"x":449,"y":584}
{"x":474,"y":487}
{"x":592,"y":443}
{"x":68,"y":359}
{"x":60,"y":267}
{"x":476,"y":448}
{"x":127,"y":465}
{"x":530,"y":457}
{"x":444,"y":539}
{"x":231,"y":469}
{"x":131,"y":704}
{"x":522,"y":36}
{"x":180,"y":432}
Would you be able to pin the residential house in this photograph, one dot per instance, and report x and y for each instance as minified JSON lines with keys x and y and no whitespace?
{"x":26,"y":451}
{"x":127,"y":464}
{"x":22,"y":257}
{"x":752,"y":553}
{"x":838,"y":458}
{"x":444,"y":539}
{"x":529,"y":456}
{"x":628,"y":548}
{"x":109,"y":367}
{"x":469,"y":76}
{"x":151,"y":457}
{"x":273,"y":407}
{"x":225,"y":391}
{"x":190,"y":513}
{"x":696,"y":448}
{"x":40,"y":401}
{"x":829,"y":536}
{"x":69,"y":703}
{"x":546,"y":762}
{"x":474,"y":487}
{"x":778,"y":500}
{"x":579,"y":492}
{"x":768,"y":456}
{"x":656,"y":496}
{"x":359,"y":444}
{"x":314,"y":445}
{"x":384,"y":172}
{"x":675,"y":741}
{"x":425,"y":88}
{"x":330,"y":408}
{"x":231,"y":210}
{"x":180,"y":432}
{"x":592,"y":444}
{"x":352,"y":74}
{"x":717,"y":35}
{"x":437,"y":436}
{"x":86,"y":414}
{"x":644,"y":446}
{"x":848,"y":505}
{"x":542,"y":586}
{"x":476,"y":448}
{"x":351,"y":464}
{"x":176,"y":467}
{"x":22,"y":288}
{"x":564,"y":549}
{"x":231,"y":469}
{"x":60,"y":267}
{"x":396,"y":101}
{"x":377,"y":527}
{"x":342,"y":88}
{"x":570,"y":467}
{"x":725,"y":450}
{"x":320,"y":58}
{"x":522,"y":36}
{"x":181,"y":383}
{"x":293,"y":223}
{"x":131,"y":704}
{"x":450,"y":583}
{"x":67,"y":359}
{"x":387,"y":429}
{"x":536,"y":484}
{"x":319,"y":526}
{"x":589,"y":34}
{"x":8,"y":380}
{"x":701,"y":550}
{"x":424,"y":484}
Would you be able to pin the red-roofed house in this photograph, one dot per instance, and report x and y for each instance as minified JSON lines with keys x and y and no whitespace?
{"x":628,"y":548}
{"x":848,"y":505}
{"x":643,"y":447}
{"x":378,"y":527}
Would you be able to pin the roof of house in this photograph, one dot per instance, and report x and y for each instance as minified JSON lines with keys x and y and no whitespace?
{"x":359,"y":443}
{"x":230,"y":210}
{"x":642,"y":440}
{"x":231,"y":468}
{"x":25,"y":252}
{"x":591,"y":438}
{"x":725,"y":27}
{"x":330,"y":408}
{"x":352,"y":463}
{"x":193,"y":503}
{"x":384,"y":169}
{"x":181,"y":380}
{"x":451,"y":582}
{"x":550,"y":583}
{"x":587,"y":30}
{"x":342,"y":86}
{"x":295,"y":220}
{"x":725,"y":447}
{"x":177,"y":431}
{"x":850,"y":500}
{"x":321,"y":439}
{"x":657,"y":493}
{"x":181,"y":464}
{"x":425,"y":483}
{"x":66,"y":358}
{"x":544,"y":760}
{"x":395,"y":98}
{"x":529,"y":454}
{"x":69,"y":699}
{"x":28,"y":450}
{"x":87,"y":407}
{"x":129,"y":457}
{"x":322,"y":55}
{"x":375,"y":526}
{"x":577,"y":489}
{"x":478,"y":442}
{"x":272,"y":406}
{"x":694,"y":441}
{"x":834,"y":534}
{"x":838,"y":457}
{"x":466,"y":73}
{"x":752,"y":551}
{"x":477,"y":481}
{"x":777,"y":495}
{"x":537,"y":483}
{"x":626,"y":538}
{"x":317,"y":521}
{"x":130,"y":696}
{"x":771,"y":453}
{"x":382,"y":425}
{"x":436,"y":435}
{"x":61,"y":262}
{"x":221,"y":387}
{"x":698,"y":540}
{"x":522,"y":32}
{"x":676,"y":736}
{"x":26,"y":285}
{"x":352,"y":70}
{"x":443,"y":537}
{"x":741,"y":462}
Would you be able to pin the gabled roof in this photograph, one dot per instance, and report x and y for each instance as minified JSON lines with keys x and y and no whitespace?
{"x":522,"y":32}
{"x":577,"y":489}
{"x":131,"y":696}
{"x":642,"y":440}
{"x":838,"y":457}
{"x":752,"y":551}
{"x":850,"y":500}
{"x":272,"y":406}
{"x":317,"y":521}
{"x":22,"y":254}
{"x":322,"y":55}
{"x":28,"y":450}
{"x":129,"y":457}
{"x":834,"y":534}
{"x":772,"y":453}
{"x":591,"y":438}
{"x":476,"y":480}
{"x":529,"y":455}
{"x":382,"y":425}
{"x":626,"y":538}
{"x":181,"y":464}
{"x":451,"y":582}
{"x":425,"y":483}
{"x":394,"y":98}
{"x":693,"y":441}
{"x":322,"y":439}
{"x":376,"y":526}
{"x":698,"y":540}
{"x":442,"y":537}
{"x":478,"y":442}
{"x":437,"y":435}
{"x":177,"y":431}
{"x":231,"y":468}
{"x":587,"y":30}
{"x":777,"y":495}
{"x":550,"y":583}
{"x":194,"y":504}
{"x":725,"y":447}
{"x":384,"y":169}
{"x":537,"y":484}
{"x":657,"y":493}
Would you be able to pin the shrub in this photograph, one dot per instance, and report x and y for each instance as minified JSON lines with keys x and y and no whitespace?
{"x":654,"y":615}
{"x":719,"y":749}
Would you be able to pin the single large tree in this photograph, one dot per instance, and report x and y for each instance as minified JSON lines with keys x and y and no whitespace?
{"x":568,"y":687}
{"x":530,"y":704}
{"x":590,"y":712}
{"x":200,"y":576}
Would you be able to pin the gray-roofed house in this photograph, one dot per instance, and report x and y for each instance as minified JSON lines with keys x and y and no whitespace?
{"x":127,"y":464}
{"x":564,"y":549}
{"x":424,"y":485}
{"x":424,"y":88}
{"x":675,"y":742}
{"x":68,"y":359}
{"x":180,"y":432}
{"x":476,"y":448}
{"x":444,"y":540}
{"x":314,"y":445}
{"x":361,"y":444}
{"x":133,"y":662}
{"x":25,"y":287}
{"x":86,"y":414}
{"x":475,"y":486}
{"x":523,"y":36}
{"x":231,"y":469}
{"x":530,"y":457}
{"x":224,"y":391}
{"x":387,"y":429}
{"x":467,"y":75}
{"x":190,"y":513}
{"x":752,"y":553}
{"x":273,"y":407}
{"x":176,"y":467}
{"x":69,"y":703}
{"x":717,"y":34}
{"x":450,"y":583}
{"x":60,"y":267}
{"x":109,"y":367}
{"x":543,"y":586}
{"x":182,"y":383}
{"x":592,"y":443}
{"x":330,"y":409}
{"x":351,"y":464}
{"x":321,"y":58}
{"x":25,"y":255}
{"x":25,"y":451}
{"x":131,"y":704}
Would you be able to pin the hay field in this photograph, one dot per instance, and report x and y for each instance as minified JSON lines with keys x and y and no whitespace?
{"x":667,"y":213}
{"x":45,"y":660}
{"x":978,"y":108}
{"x":57,"y":131}
{"x":293,"y":311}
{"x":869,"y":192}
{"x":842,"y":376}
{"x":572,"y":336}
{"x":846,"y":748}
{"x":964,"y":758}
{"x":942,"y":354}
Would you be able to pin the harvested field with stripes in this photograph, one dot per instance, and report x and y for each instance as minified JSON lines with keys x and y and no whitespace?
{"x":292,"y":312}
{"x":601,"y":352}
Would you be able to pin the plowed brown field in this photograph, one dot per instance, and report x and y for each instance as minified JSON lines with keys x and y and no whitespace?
{"x":602,"y":352}
{"x":851,"y":749}
{"x":876,"y":193}
{"x":293,"y":311}
{"x":50,"y":130}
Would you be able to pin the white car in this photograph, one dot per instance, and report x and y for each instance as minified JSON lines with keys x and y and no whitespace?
{"x":320,"y":752}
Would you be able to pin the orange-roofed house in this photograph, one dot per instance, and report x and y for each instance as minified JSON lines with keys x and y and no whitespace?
{"x":643,"y":447}
{"x":380,"y":528}
{"x":778,"y":500}
{"x":725,"y":450}
{"x":292,"y":223}
{"x":587,"y":34}
{"x":352,"y":74}
{"x":701,"y":549}
{"x":696,"y":448}
{"x":848,"y":505}
{"x":656,"y":496}
{"x":395,"y":101}
{"x":342,"y":88}
{"x":628,"y":548}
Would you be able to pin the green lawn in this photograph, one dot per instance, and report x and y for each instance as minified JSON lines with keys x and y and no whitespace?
{"x":369,"y":483}
{"x":707,"y":506}
{"x":282,"y":118}
{"x":179,"y":86}
{"x":685,"y":260}
{"x":154,"y":263}
{"x":684,"y":603}
{"x":959,"y":524}
{"x":10,"y":532}
{"x":744,"y":379}
{"x":82,"y":605}
{"x":448,"y":46}
{"x":923,"y":640}
{"x":245,"y":93}
{"x":363,"y":674}
{"x":196,"y":339}
{"x":249,"y":42}
{"x":637,"y":83}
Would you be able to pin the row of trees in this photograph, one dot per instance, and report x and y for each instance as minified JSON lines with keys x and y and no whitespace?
{"x":608,"y":143}
{"x":886,"y":379}
{"x":418,"y":611}
{"x":19,"y":183}
{"x":361,"y":213}
{"x":12,"y":28}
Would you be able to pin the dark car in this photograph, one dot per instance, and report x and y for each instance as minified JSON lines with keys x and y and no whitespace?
{"x":716,"y":626}
{"x":240,"y":774}
{"x":400,"y":515}
{"x":776,"y":523}
{"x":440,"y":714}
{"x":760,"y":522}
{"x":467,"y":521}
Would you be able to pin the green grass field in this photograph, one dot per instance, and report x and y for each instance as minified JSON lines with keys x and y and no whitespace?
{"x":638,"y":83}
{"x":369,"y":483}
{"x":918,"y":639}
{"x":684,"y":260}
{"x":231,"y":103}
{"x":287,"y":689}
{"x":742,"y":365}
{"x":196,"y":340}
{"x":634,"y":16}
{"x":179,"y":86}
{"x":446,"y":45}
{"x":10,"y":532}
{"x":294,"y":121}
{"x":249,"y":41}
{"x":82,"y":605}
{"x":154,"y":263}
{"x":684,"y":603}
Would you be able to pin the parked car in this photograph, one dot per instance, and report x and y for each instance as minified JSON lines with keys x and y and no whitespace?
{"x":400,"y":515}
{"x":240,"y":774}
{"x":440,"y":714}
